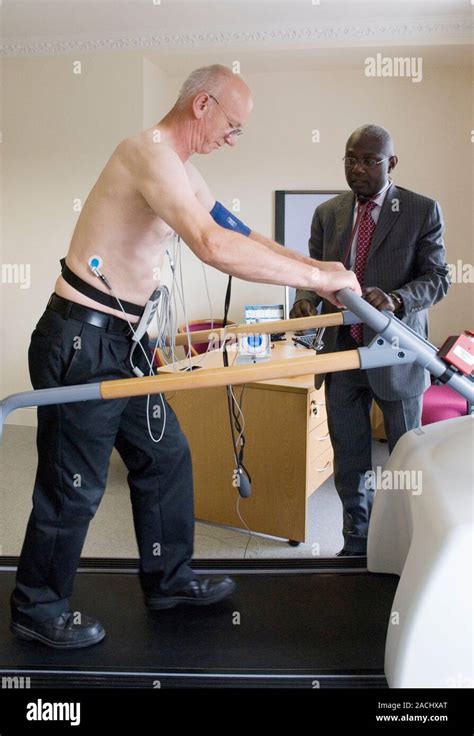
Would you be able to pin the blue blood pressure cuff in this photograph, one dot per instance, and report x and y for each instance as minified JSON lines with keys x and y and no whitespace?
{"x":226,"y":219}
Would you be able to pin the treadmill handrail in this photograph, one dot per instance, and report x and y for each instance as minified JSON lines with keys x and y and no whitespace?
{"x":394,"y":331}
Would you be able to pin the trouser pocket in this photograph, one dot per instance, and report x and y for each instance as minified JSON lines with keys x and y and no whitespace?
{"x":72,"y":347}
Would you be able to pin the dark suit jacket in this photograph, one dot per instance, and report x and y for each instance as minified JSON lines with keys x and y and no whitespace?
{"x":407,"y":255}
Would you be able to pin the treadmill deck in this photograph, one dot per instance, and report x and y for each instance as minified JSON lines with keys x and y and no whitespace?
{"x":323,"y":626}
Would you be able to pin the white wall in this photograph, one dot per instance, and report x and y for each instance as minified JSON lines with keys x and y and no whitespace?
{"x":60,"y":128}
{"x":158,"y":93}
{"x":430,"y":122}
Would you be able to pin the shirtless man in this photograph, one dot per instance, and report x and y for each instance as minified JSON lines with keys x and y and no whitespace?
{"x":147,"y":190}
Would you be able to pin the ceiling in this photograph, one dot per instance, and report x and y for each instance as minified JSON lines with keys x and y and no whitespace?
{"x":180,"y":63}
{"x":183,"y":27}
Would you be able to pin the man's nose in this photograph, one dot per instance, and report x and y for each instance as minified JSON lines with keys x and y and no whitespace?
{"x":357,"y":166}
{"x":231,"y":140}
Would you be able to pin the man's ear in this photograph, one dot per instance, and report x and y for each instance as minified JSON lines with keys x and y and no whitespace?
{"x":200,"y":104}
{"x":393,"y":161}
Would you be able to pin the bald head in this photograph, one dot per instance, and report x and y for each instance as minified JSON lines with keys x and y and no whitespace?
{"x":369,"y":159}
{"x":213,"y":107}
{"x":216,"y":80}
{"x":375,"y":134}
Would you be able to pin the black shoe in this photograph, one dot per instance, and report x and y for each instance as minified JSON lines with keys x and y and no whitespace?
{"x":198,"y":592}
{"x":348,"y":553}
{"x":61,"y":632}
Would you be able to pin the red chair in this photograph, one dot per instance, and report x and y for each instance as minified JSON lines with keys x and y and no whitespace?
{"x":159,"y":359}
{"x":201,"y":324}
{"x":441,"y":402}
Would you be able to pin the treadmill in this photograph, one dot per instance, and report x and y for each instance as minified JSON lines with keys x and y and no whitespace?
{"x":315,"y":623}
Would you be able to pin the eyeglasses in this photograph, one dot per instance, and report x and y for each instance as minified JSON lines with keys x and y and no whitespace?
{"x":367,"y":163}
{"x":235,"y":131}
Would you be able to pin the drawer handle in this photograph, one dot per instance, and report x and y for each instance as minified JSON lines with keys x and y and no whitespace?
{"x":314,"y":408}
{"x":321,"y":470}
{"x":323,"y":439}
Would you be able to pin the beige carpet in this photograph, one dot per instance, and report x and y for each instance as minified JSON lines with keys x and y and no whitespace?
{"x":111,"y":531}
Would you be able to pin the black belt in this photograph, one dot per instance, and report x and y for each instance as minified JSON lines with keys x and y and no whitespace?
{"x":98,"y":296}
{"x":71,"y":310}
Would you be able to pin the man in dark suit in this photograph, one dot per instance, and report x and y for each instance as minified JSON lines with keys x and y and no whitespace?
{"x":393,"y":239}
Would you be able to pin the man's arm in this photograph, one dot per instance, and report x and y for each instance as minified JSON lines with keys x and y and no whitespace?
{"x":290,"y":253}
{"x":165,"y":186}
{"x":199,"y":186}
{"x":207,"y":199}
{"x":432,"y":281}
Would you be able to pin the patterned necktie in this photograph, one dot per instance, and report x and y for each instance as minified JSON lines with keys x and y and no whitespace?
{"x":364,"y":239}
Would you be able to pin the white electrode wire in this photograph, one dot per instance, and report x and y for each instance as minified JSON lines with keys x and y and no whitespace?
{"x":176,"y":290}
{"x":204,"y":273}
{"x":173,"y":324}
{"x":250,"y":535}
{"x":169,"y":333}
{"x":166,"y":334}
{"x":154,"y":439}
{"x":163,"y":318}
{"x":171,"y":298}
{"x":167,"y":327}
{"x":237,"y":405}
{"x":188,"y":353}
{"x":166,"y":320}
{"x":147,"y":358}
{"x":183,"y":302}
{"x":174,"y":321}
{"x":182,"y":298}
{"x":151,"y":373}
{"x":203,"y":355}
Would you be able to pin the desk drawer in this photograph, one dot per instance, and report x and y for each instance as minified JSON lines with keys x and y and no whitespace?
{"x":318,"y":442}
{"x":316,"y":408}
{"x":319,"y":470}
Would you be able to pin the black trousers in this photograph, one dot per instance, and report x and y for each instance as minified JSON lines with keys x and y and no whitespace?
{"x":74,"y":443}
{"x":349,"y":399}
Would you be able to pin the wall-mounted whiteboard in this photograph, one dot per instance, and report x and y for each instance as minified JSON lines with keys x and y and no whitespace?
{"x":294,"y":212}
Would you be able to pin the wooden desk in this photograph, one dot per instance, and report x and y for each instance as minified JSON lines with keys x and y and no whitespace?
{"x":288,"y":452}
{"x":378,"y":426}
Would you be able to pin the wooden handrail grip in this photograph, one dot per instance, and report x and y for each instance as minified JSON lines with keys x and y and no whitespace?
{"x":260,"y":328}
{"x":233,"y":375}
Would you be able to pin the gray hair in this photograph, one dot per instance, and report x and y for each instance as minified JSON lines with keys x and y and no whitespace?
{"x":381,"y":134}
{"x":205,"y":79}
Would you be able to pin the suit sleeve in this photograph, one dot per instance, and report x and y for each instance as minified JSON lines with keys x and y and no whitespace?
{"x":432,"y":273}
{"x":315,"y":247}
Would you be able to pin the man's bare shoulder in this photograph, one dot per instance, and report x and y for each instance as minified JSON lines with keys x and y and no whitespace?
{"x":199,"y":186}
{"x":152,"y":169}
{"x":194,"y":175}
{"x":145,"y":155}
